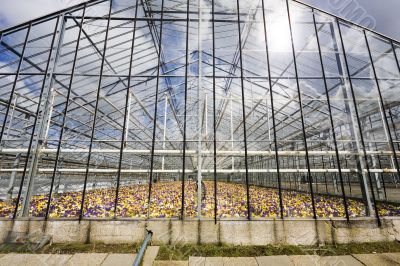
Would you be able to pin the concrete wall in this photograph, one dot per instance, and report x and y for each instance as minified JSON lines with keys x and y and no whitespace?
{"x":292,"y":232}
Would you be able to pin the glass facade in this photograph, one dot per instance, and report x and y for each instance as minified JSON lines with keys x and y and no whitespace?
{"x":198,"y":109}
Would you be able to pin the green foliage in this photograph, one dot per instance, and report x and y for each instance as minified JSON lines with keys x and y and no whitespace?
{"x":71,"y":248}
{"x":182,"y":252}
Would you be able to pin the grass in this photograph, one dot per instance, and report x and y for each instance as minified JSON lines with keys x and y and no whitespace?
{"x":70,"y":248}
{"x":182,"y":252}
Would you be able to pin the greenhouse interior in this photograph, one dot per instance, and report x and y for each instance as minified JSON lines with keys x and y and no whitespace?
{"x":198,"y":109}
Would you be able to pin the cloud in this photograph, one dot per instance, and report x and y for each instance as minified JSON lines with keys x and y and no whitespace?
{"x":385,"y":15}
{"x":14,"y":12}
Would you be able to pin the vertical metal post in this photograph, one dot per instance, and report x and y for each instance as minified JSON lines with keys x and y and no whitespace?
{"x":243,"y":111}
{"x":290,"y":175}
{"x":13,"y":175}
{"x":231,"y":127}
{"x":359,"y":124}
{"x":268,"y":122}
{"x":52,"y":97}
{"x":373,"y":157}
{"x":127,"y":112}
{"x":12,"y":116}
{"x":326,"y":180}
{"x":316,"y":178}
{"x":21,"y":59}
{"x":199,"y":94}
{"x":383,"y":109}
{"x":95,"y":112}
{"x":394,"y":127}
{"x":348,"y":177}
{"x":390,"y":112}
{"x":296,"y":181}
{"x":301,"y":112}
{"x":384,"y":196}
{"x":42,"y":113}
{"x":165,"y":128}
{"x":25,"y":208}
{"x":272,"y":112}
{"x":214,"y":115}
{"x":206,"y":116}
{"x":331,"y":122}
{"x":352,"y":125}
{"x":185,"y":114}
{"x":153,"y":142}
{"x":65,"y":111}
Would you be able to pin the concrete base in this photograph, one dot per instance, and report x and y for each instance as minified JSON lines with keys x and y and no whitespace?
{"x":259,"y":232}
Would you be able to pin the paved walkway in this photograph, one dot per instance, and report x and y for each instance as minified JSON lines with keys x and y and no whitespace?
{"x":104,"y":259}
{"x":387,"y":259}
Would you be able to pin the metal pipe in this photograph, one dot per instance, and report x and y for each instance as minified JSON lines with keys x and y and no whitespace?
{"x":140,"y":254}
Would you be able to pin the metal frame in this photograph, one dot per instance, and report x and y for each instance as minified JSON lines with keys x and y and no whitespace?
{"x":153,"y":67}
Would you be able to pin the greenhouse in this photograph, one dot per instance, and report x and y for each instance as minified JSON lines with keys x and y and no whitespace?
{"x":198,"y":109}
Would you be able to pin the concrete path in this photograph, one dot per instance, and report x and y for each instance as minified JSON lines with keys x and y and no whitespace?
{"x":308,"y":260}
{"x":79,"y":259}
{"x":150,"y":255}
{"x":104,"y":259}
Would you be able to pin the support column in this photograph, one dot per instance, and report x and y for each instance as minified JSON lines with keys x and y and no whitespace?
{"x":199,"y":91}
{"x":351,"y":113}
{"x":40,"y":142}
{"x":165,"y":129}
{"x":128,"y":116}
{"x":65,"y":110}
{"x":231,"y":123}
{"x":374,"y":160}
{"x":360,"y":141}
{"x":43,"y":115}
{"x":52,"y":97}
{"x":13,"y":175}
{"x":18,"y":156}
{"x":12,"y":117}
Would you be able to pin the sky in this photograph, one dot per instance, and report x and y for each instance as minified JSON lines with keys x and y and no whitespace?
{"x":383,"y":12}
{"x":381,"y":16}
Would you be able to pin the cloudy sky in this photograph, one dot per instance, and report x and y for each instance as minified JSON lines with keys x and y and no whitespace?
{"x":380,"y":15}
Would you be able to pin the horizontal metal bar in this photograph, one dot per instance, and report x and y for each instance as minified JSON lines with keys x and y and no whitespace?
{"x":196,"y":76}
{"x":89,"y":2}
{"x":159,"y":19}
{"x":194,"y":152}
{"x":189,"y":171}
